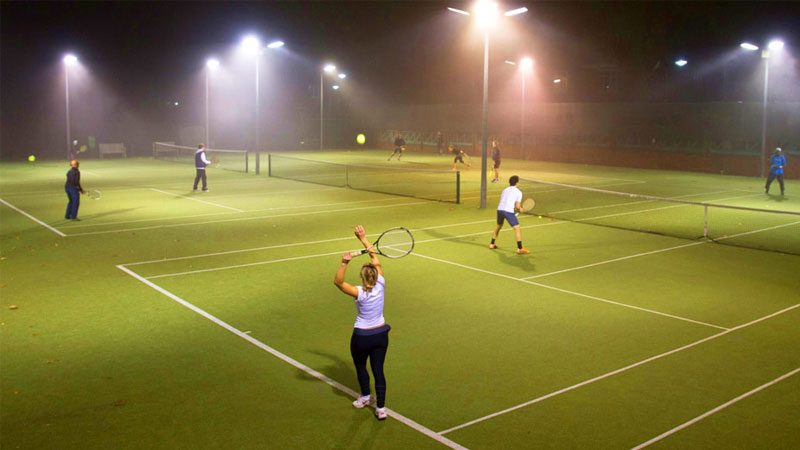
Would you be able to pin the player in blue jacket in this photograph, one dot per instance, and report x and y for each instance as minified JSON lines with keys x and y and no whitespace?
{"x":777,"y":162}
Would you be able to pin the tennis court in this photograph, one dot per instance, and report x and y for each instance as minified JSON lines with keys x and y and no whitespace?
{"x":172,"y":319}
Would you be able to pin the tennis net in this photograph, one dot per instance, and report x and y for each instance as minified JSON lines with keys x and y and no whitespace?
{"x":236,"y":160}
{"x":727,"y":217}
{"x":439,"y":185}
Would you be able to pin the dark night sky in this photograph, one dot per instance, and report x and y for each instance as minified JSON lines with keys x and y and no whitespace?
{"x":399,"y":51}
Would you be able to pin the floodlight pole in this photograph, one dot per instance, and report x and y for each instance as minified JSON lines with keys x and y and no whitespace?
{"x":485,"y":118}
{"x":258,"y":119}
{"x":66,"y":91}
{"x":522,"y":120}
{"x":765,"y":56}
{"x":321,"y":106}
{"x":208,"y":143}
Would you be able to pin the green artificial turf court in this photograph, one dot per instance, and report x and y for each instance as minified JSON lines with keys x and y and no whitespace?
{"x":168,"y":318}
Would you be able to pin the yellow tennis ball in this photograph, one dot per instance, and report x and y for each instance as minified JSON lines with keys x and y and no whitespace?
{"x":361,"y":138}
{"x":31,"y":158}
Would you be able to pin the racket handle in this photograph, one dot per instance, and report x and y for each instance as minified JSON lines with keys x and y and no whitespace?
{"x":357,"y":253}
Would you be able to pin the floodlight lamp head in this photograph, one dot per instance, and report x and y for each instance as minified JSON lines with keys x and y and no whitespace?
{"x":342,"y":76}
{"x":681,"y":62}
{"x":486,"y":13}
{"x":70,"y":59}
{"x":525,"y":64}
{"x":748,"y":46}
{"x":275,"y":44}
{"x":251,"y":45}
{"x":775,"y":45}
{"x":329,"y":68}
{"x":212,"y":63}
{"x":335,"y":87}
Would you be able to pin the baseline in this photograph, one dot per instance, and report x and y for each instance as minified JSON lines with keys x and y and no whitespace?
{"x":715,"y":410}
{"x":617,"y":371}
{"x":32,"y":218}
{"x":318,"y":375}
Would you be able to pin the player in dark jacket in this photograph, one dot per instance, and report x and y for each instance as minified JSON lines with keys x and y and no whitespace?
{"x":399,"y":147}
{"x":74,"y":190}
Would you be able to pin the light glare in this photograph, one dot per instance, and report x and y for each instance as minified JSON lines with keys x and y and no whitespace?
{"x":329,"y":68}
{"x":276,"y":44}
{"x":342,"y":76}
{"x":251,"y":44}
{"x":212,"y":63}
{"x":335,"y":87}
{"x":458,"y":11}
{"x":525,"y":64}
{"x":681,"y":62}
{"x":515,"y":12}
{"x":557,"y":80}
{"x":511,"y":63}
{"x":748,"y":46}
{"x":70,"y":59}
{"x":776,"y":45}
{"x":486,"y":13}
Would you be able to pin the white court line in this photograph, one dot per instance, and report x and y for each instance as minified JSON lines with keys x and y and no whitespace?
{"x":237,"y":266}
{"x":615,"y":372}
{"x":661,"y":250}
{"x":565,"y":291}
{"x":197,"y":200}
{"x":715,"y":410}
{"x":32,"y":218}
{"x":327,"y":380}
{"x":246,"y":218}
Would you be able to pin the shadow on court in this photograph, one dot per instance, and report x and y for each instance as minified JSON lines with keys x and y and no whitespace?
{"x":338,"y":369}
{"x":108,"y":213}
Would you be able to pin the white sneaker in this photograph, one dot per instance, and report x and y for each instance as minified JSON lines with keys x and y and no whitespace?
{"x":380,"y":413}
{"x":363,"y":401}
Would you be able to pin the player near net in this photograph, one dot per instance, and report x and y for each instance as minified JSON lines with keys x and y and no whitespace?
{"x":399,"y":147}
{"x":777,"y":162}
{"x":510,"y":203}
{"x":459,"y":156}
{"x":74,"y":190}
{"x":370,"y":338}
{"x":495,"y":161}
{"x":200,"y":163}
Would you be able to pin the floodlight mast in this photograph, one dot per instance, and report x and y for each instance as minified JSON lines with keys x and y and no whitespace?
{"x":525,"y":67}
{"x":486,"y":13}
{"x":252,"y":45}
{"x":774,"y":45}
{"x":211,"y":64}
{"x":329,"y":69}
{"x":69,"y":60}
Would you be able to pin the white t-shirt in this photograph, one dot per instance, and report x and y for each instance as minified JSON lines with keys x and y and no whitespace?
{"x":370,"y":305}
{"x":510,"y":196}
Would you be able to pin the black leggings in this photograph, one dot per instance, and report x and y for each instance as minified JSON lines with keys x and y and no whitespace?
{"x":771,"y":177}
{"x":372,"y":347}
{"x":201,"y":175}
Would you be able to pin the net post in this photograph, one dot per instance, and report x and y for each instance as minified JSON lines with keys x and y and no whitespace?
{"x":246,"y":162}
{"x":258,"y":162}
{"x":347,"y":175}
{"x":705,"y":218}
{"x":458,"y":187}
{"x":269,"y":164}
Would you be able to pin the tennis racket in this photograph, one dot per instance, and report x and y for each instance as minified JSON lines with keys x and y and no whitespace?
{"x":392,"y":243}
{"x":94,"y":194}
{"x":527,"y":205}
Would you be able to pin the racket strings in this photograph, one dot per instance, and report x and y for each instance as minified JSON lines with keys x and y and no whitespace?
{"x":396,"y":243}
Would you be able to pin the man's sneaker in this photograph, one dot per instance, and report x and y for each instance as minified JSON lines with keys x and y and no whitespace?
{"x":523,"y":251}
{"x":194,"y":190}
{"x":492,"y":246}
{"x":205,"y":190}
{"x":380,"y":413}
{"x":362,"y":401}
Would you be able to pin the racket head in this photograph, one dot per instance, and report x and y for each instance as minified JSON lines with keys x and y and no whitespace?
{"x":527,"y":205}
{"x":94,"y":194}
{"x":395,"y":242}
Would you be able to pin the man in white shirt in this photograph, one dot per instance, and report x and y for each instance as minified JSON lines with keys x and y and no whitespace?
{"x":509,"y":203}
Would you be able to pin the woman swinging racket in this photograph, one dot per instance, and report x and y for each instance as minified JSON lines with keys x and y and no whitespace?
{"x":370,"y":337}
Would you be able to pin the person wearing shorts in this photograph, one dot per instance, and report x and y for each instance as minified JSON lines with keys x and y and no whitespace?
{"x":370,"y":338}
{"x":509,"y":203}
{"x":459,"y":156}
